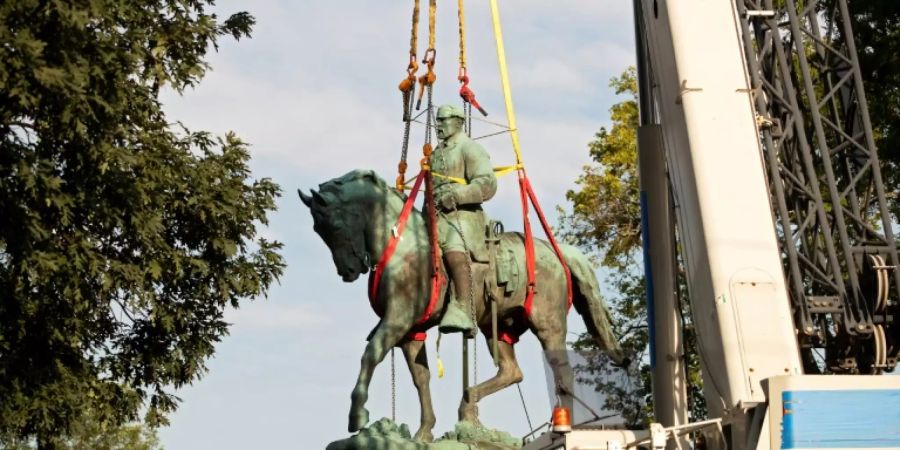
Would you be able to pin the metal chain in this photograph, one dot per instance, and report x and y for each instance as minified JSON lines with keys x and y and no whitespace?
{"x":475,"y":322}
{"x":408,"y":99}
{"x":393,"y":388}
{"x":467,"y":110}
{"x":474,"y":313}
{"x":467,"y":124}
{"x":405,"y":99}
{"x":458,"y":228}
{"x":472,"y":310}
{"x":524,"y":407}
{"x":429,"y":115}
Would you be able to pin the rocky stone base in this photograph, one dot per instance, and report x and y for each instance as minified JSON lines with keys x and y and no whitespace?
{"x":387,"y":435}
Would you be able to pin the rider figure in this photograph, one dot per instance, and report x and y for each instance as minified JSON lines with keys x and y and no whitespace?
{"x":461,"y":221}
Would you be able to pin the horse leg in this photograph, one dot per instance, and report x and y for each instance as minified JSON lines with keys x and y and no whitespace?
{"x":554,"y":344}
{"x":507,"y":374}
{"x":385,"y":337}
{"x":417,"y":360}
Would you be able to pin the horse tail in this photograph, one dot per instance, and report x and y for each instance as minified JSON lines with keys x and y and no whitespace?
{"x":590,"y":305}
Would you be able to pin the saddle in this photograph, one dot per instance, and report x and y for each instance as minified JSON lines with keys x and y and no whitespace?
{"x":499,"y":275}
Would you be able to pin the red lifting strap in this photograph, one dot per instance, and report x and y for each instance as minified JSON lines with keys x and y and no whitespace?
{"x":437,"y":279}
{"x":526,"y":193}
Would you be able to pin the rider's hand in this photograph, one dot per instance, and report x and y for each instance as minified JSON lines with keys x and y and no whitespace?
{"x":447,"y":201}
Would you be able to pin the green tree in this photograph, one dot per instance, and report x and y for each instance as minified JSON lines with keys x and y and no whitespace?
{"x":88,"y":433}
{"x":122,"y":237}
{"x":605,"y":221}
{"x":876,"y":29}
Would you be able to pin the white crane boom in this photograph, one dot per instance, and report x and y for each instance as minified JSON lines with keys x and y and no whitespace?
{"x":703,"y":137}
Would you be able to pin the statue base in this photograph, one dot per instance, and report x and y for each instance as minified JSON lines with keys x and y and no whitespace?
{"x":385,"y":434}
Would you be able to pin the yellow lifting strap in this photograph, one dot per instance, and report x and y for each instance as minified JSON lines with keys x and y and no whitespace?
{"x":462,"y":37}
{"x":407,"y":83}
{"x":432,"y":10}
{"x":498,"y":171}
{"x":503,"y":170}
{"x":414,"y":36}
{"x":429,"y":78}
{"x":504,"y":78}
{"x":456,"y":180}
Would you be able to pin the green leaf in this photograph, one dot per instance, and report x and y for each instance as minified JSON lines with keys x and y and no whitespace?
{"x":122,"y":237}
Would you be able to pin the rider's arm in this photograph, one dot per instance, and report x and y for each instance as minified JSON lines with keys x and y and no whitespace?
{"x":482,"y":183}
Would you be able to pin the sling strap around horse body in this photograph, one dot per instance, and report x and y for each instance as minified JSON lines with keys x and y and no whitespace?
{"x":526,"y":192}
{"x":437,"y":278}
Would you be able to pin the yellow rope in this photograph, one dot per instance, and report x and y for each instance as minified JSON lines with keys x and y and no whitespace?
{"x":504,"y":78}
{"x":414,"y":37}
{"x":432,"y":10}
{"x":462,"y":37}
{"x":498,"y":171}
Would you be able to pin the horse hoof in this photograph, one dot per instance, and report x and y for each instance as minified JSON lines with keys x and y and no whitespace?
{"x":424,"y":436}
{"x":358,"y":420}
{"x":469,"y":413}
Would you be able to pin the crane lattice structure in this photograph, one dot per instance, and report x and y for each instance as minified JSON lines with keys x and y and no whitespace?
{"x":826,"y":187}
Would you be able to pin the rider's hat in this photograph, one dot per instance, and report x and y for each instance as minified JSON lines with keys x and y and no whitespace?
{"x":447,"y":111}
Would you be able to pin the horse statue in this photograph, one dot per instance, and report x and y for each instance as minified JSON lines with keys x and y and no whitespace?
{"x":355,"y":214}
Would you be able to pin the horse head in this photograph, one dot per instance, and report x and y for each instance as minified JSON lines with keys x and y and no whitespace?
{"x":339,"y":216}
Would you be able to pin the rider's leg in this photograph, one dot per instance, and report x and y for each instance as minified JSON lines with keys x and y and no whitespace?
{"x":458,"y":316}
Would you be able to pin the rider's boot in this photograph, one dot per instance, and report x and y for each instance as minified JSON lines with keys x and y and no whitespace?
{"x":457,"y":316}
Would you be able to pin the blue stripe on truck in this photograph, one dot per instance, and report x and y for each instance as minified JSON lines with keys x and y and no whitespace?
{"x":868,"y":418}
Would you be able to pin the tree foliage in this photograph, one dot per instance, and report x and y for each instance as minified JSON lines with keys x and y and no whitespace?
{"x":606,"y":221}
{"x":606,"y":212}
{"x":876,"y":29}
{"x":122,"y":237}
{"x":87,"y":433}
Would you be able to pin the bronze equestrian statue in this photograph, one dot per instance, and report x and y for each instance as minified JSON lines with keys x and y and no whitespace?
{"x":355,"y":215}
{"x":461,"y":221}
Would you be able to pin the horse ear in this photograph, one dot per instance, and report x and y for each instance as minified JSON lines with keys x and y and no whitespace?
{"x":307,"y":200}
{"x":318,"y":198}
{"x":371,"y":176}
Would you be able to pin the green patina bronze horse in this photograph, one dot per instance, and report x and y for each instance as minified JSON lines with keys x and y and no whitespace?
{"x":355,"y":214}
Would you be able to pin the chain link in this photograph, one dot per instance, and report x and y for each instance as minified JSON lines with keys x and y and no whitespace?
{"x":439,"y":158}
{"x":408,"y":99}
{"x":467,"y":110}
{"x":393,"y":388}
{"x":429,"y":115}
{"x":524,"y":406}
{"x":471,"y":303}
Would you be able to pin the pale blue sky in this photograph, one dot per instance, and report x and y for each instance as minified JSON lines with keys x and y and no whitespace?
{"x":314,"y":92}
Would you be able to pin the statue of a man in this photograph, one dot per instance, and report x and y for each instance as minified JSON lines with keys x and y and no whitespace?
{"x":463,"y":180}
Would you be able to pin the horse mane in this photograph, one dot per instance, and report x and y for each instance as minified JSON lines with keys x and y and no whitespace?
{"x":335,"y":186}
